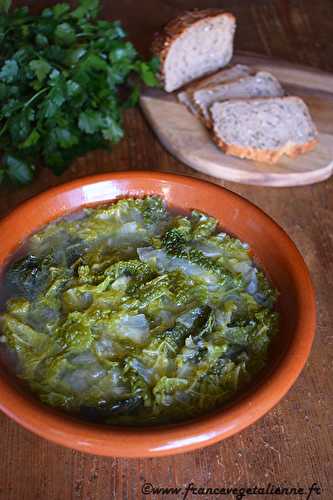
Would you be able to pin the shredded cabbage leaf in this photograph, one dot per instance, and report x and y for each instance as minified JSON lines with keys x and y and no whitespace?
{"x":130,"y":314}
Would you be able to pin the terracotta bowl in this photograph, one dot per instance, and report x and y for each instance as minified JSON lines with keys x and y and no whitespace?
{"x":273,"y":251}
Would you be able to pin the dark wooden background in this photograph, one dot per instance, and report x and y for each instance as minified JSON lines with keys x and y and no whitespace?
{"x":292,"y":445}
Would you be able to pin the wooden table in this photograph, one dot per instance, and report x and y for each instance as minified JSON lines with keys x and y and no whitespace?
{"x":290,"y":446}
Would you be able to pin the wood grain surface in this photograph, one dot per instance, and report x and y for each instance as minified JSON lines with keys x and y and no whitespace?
{"x":188,"y":140}
{"x":292,"y":445}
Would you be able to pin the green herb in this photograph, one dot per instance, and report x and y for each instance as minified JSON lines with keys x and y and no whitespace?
{"x":60,"y":79}
{"x":131,"y":314}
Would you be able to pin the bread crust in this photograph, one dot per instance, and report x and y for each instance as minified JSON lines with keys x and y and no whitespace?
{"x":264,"y":155}
{"x":176,"y":27}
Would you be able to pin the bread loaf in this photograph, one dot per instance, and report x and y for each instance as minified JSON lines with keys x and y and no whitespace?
{"x":193,"y":45}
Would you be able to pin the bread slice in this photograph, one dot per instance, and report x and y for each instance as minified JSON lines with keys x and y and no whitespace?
{"x":193,"y":45}
{"x":263,"y":129}
{"x":224,"y":75}
{"x":261,"y":84}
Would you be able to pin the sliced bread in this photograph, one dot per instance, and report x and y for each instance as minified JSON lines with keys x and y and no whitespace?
{"x":263,"y":129}
{"x":193,"y":45}
{"x":261,"y":84}
{"x":224,"y":75}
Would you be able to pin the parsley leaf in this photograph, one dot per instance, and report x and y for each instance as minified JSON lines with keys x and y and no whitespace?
{"x":19,"y":127}
{"x":65,"y":137}
{"x":9,"y":71}
{"x":64,"y":34}
{"x":31,"y":140}
{"x":41,"y":68}
{"x":18,"y":170}
{"x":56,"y":98}
{"x":112,"y":131}
{"x":60,"y":9}
{"x":87,"y":9}
{"x":121,"y":50}
{"x":147,"y":74}
{"x":90,"y":121}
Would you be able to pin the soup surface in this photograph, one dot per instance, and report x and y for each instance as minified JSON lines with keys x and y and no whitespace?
{"x":131,"y":314}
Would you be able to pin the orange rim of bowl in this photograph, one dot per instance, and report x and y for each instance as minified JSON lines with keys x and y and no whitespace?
{"x":167,"y":439}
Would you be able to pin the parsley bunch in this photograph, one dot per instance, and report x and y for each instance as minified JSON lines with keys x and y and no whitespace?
{"x":60,"y":79}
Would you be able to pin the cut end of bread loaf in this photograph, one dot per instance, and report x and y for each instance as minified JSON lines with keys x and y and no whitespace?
{"x":193,"y":45}
{"x":263,"y":129}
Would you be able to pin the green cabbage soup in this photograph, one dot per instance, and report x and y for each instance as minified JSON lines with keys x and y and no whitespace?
{"x":129,"y":314}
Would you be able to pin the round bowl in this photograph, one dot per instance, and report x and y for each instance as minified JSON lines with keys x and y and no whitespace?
{"x":273,"y":251}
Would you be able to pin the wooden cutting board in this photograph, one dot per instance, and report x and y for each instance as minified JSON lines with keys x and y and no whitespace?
{"x":185,"y":138}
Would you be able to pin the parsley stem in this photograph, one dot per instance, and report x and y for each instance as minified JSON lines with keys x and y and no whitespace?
{"x":4,"y":128}
{"x":34,"y":97}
